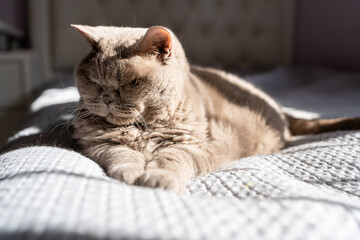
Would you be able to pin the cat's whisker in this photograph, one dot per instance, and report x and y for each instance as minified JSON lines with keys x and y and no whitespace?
{"x":82,"y":114}
{"x":85,"y":115}
{"x":68,"y":121}
{"x":71,"y":113}
{"x":136,"y":124}
{"x":61,"y":82}
{"x":141,"y":119}
{"x":60,"y":124}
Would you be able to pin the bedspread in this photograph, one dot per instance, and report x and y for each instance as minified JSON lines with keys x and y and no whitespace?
{"x":309,"y":190}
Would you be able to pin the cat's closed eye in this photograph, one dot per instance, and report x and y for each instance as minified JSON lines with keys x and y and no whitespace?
{"x":91,"y":89}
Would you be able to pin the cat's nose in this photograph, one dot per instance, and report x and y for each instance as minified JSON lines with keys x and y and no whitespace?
{"x":107,"y":99}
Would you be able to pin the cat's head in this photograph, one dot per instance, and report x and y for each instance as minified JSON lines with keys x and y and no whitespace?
{"x":131,"y":74}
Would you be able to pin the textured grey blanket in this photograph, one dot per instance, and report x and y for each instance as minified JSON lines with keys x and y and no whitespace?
{"x":310,"y":190}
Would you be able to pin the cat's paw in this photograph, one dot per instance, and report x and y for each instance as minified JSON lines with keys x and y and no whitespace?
{"x":159,"y":178}
{"x":126,"y":172}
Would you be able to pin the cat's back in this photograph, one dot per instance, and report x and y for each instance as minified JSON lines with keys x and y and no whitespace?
{"x":239,"y":112}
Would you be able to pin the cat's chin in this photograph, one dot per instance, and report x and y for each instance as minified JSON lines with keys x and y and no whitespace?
{"x":120,"y":121}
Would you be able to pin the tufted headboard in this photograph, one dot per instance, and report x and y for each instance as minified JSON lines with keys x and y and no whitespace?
{"x":236,"y":35}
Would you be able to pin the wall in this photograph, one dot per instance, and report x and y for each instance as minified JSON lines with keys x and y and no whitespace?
{"x":14,"y":13}
{"x":328,"y":34}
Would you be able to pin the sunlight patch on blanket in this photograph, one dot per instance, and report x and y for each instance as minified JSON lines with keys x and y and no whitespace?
{"x":24,"y":133}
{"x":55,"y":96}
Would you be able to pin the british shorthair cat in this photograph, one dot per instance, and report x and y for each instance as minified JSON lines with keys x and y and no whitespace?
{"x":151,"y":119}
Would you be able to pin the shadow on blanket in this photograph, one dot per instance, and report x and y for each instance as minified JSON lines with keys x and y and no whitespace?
{"x":50,"y":126}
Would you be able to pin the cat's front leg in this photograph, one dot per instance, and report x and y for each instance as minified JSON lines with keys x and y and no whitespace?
{"x":120,"y":162}
{"x":172,"y":167}
{"x":128,"y":167}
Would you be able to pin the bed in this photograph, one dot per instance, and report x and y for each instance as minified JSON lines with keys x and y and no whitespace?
{"x":309,"y":190}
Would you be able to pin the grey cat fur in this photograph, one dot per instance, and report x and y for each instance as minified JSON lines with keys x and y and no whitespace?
{"x":151,"y":119}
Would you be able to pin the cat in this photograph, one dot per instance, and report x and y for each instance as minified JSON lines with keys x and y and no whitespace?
{"x":151,"y":119}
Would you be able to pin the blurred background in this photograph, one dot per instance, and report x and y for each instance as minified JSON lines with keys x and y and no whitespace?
{"x":37,"y":44}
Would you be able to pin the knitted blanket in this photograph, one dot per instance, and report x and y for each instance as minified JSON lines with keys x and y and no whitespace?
{"x":309,"y":190}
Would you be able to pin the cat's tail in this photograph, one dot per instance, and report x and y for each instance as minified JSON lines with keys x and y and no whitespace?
{"x":298,"y":126}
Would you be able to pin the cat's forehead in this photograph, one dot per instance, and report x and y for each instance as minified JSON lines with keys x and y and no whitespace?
{"x":120,"y":35}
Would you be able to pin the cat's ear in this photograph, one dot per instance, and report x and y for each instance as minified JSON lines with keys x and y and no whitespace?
{"x":157,"y":40}
{"x":88,"y":33}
